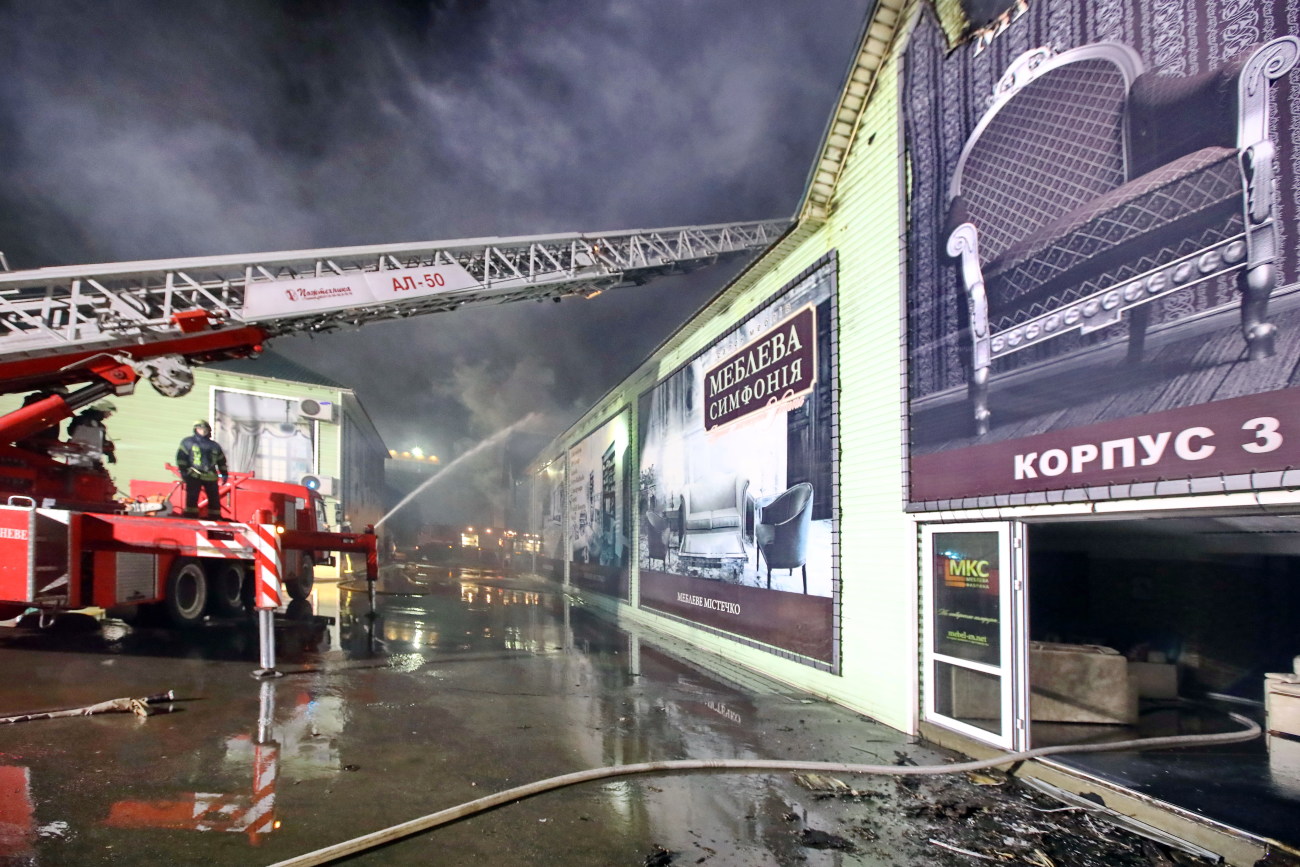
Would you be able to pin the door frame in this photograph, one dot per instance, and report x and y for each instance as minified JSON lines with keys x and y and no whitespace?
{"x":1012,"y":667}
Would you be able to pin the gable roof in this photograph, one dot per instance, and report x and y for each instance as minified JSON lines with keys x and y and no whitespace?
{"x":882,"y":27}
{"x":273,"y":365}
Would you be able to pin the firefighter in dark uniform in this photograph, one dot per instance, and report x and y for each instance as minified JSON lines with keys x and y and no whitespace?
{"x":201,"y":460}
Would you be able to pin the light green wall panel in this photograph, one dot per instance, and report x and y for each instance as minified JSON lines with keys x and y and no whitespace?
{"x":876,"y":538}
{"x":147,"y":427}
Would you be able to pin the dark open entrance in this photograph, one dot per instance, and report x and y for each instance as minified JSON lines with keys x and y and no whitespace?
{"x":1191,"y":614}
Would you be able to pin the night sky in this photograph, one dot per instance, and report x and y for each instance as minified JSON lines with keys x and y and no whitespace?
{"x":150,"y":130}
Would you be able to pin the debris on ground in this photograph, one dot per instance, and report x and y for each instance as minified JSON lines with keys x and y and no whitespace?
{"x":659,"y":857}
{"x":831,"y":787}
{"x":960,"y":820}
{"x":815,"y":839}
{"x":986,"y":778}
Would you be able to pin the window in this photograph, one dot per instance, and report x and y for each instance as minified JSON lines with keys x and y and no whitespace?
{"x":263,"y":434}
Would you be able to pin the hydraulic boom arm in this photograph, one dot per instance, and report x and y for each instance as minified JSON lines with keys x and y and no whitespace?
{"x":52,"y":320}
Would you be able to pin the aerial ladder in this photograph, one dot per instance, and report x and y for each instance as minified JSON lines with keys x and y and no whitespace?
{"x":75,"y":334}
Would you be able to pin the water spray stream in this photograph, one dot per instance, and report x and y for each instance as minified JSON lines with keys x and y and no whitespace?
{"x":433,"y":480}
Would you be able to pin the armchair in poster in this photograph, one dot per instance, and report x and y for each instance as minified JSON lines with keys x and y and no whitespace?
{"x":598,"y":510}
{"x":736,"y":484}
{"x":1102,"y":280}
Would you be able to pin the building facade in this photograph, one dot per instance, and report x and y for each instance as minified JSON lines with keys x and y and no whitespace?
{"x":997,"y":444}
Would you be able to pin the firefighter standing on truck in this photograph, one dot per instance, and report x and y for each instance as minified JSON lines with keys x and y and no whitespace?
{"x":200,"y":460}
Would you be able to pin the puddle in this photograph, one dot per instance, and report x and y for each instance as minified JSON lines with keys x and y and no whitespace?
{"x":461,"y":684}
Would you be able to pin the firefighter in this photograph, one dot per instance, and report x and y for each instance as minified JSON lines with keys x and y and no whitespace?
{"x":89,"y":430}
{"x":200,"y":460}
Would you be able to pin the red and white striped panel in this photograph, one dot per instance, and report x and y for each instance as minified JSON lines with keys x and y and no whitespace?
{"x":215,"y":811}
{"x":266,"y":565}
{"x":229,"y":549}
{"x":260,"y":818}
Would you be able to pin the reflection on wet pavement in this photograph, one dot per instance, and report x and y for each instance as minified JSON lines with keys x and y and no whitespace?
{"x":459,"y":684}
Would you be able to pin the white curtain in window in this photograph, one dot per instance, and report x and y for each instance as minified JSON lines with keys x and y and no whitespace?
{"x":263,"y":435}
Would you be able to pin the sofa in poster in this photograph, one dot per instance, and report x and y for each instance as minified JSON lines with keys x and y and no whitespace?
{"x":1100,"y":202}
{"x":736,"y":490}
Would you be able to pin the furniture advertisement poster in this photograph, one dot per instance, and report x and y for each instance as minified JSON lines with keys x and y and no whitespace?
{"x":598,"y":511}
{"x":1102,"y":296}
{"x":548,"y":517}
{"x":736,"y":492}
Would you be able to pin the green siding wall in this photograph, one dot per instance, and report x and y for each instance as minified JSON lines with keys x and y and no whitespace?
{"x":364,"y":456}
{"x":147,"y":427}
{"x":877,"y":548}
{"x":877,"y":551}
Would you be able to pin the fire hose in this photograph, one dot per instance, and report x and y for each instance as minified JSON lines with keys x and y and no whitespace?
{"x":138,"y":706}
{"x":1250,"y":731}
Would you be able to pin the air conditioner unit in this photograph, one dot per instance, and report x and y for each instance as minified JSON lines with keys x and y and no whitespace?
{"x":321,"y":410}
{"x":326,"y":486}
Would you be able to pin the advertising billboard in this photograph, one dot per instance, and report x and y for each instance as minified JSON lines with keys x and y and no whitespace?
{"x":736,"y":492}
{"x":548,"y":517}
{"x":598,"y":509}
{"x":1102,"y":252}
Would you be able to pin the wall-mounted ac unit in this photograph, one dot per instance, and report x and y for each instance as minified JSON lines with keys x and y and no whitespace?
{"x":321,"y":410}
{"x":326,"y":486}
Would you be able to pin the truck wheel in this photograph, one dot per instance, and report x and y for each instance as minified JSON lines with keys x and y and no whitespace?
{"x":300,"y":585}
{"x":187,"y":593}
{"x":226,"y":588}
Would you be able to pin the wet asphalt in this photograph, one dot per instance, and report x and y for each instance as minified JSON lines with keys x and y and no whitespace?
{"x":463,"y":683}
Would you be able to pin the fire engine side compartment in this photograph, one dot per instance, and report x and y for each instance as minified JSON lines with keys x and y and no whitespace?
{"x":37,"y":562}
{"x":131,"y":556}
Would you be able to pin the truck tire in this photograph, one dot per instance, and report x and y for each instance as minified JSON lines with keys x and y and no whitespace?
{"x":226,"y":588}
{"x":187,"y":593}
{"x":300,"y":585}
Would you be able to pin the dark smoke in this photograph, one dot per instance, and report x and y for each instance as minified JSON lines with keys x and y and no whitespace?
{"x":136,"y":130}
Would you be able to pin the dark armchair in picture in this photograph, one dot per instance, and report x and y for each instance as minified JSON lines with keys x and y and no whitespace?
{"x":655,"y":530}
{"x":782,"y":531}
{"x":1091,"y":188}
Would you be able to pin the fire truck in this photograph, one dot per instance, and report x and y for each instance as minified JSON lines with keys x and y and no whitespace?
{"x":70,"y":336}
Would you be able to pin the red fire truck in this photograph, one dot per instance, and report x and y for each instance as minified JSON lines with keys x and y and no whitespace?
{"x":67,"y":542}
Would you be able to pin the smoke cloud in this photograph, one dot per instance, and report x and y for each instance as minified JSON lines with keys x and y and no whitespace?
{"x":145,"y":130}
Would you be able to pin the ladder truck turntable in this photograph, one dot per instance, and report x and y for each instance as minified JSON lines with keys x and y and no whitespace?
{"x":82,"y":333}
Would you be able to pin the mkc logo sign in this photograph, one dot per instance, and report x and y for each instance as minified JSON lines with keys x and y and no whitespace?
{"x":970,"y":574}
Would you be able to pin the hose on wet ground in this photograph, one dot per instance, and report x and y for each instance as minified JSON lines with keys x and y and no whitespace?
{"x":393,"y":833}
{"x":138,"y":706}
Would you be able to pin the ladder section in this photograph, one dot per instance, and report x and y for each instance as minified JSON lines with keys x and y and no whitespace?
{"x":52,"y":311}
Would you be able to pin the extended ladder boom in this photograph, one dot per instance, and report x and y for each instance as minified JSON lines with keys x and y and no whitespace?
{"x":63,"y":315}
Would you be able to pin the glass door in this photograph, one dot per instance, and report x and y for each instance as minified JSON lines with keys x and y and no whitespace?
{"x":974,"y":653}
